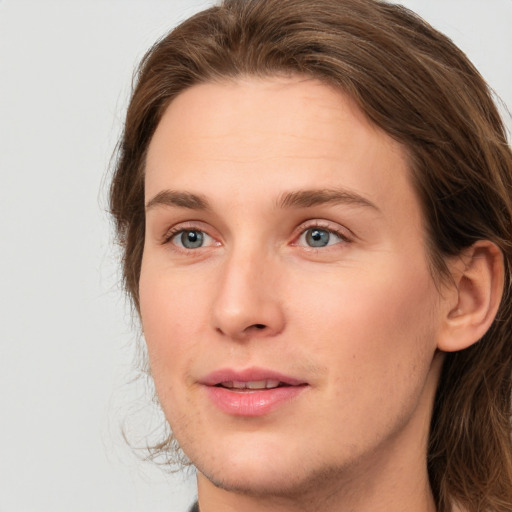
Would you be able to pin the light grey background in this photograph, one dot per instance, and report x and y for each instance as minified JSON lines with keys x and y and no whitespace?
{"x":66,"y":340}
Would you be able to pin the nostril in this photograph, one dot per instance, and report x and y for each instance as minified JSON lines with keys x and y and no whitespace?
{"x":259,"y":326}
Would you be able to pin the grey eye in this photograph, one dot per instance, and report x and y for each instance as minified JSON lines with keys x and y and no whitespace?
{"x":191,"y":239}
{"x":316,"y":237}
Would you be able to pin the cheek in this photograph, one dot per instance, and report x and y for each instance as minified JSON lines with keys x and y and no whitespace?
{"x":172,"y":313}
{"x":376,"y":350}
{"x":374,"y":326}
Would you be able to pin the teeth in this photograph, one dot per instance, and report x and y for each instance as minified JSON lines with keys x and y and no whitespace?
{"x":257,"y":384}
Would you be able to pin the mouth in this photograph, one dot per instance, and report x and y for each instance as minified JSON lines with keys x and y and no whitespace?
{"x":252,"y":392}
{"x":254,"y":385}
{"x":250,"y":379}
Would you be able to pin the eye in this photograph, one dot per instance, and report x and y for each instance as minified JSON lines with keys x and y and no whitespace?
{"x":191,"y":239}
{"x":319,"y":237}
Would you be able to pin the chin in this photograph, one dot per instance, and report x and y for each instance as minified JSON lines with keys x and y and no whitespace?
{"x":258,"y":470}
{"x":263,"y":482}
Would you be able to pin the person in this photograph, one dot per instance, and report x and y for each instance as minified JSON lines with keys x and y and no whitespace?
{"x":314,"y":200}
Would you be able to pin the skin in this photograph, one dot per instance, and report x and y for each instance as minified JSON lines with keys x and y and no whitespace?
{"x":358,"y":320}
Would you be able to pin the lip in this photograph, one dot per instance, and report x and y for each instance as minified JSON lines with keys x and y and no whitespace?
{"x":251,"y":402}
{"x":249,"y":374}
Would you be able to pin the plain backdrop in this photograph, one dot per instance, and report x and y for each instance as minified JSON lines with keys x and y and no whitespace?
{"x":66,"y":338}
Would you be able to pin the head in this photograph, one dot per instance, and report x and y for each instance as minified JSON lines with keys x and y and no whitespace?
{"x":419,"y":92}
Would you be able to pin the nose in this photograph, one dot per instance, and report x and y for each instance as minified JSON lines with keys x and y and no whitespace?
{"x":247,"y":303}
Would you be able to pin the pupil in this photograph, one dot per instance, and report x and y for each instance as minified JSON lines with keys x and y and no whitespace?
{"x":317,"y":237}
{"x":192,"y":239}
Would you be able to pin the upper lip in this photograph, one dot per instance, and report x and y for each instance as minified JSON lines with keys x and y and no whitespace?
{"x":249,"y":375}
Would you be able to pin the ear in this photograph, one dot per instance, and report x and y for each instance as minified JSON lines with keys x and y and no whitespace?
{"x":474,"y":296}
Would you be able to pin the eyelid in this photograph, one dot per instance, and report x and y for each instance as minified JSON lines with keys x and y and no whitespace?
{"x":189,"y":225}
{"x":342,"y":232}
{"x":332,"y":227}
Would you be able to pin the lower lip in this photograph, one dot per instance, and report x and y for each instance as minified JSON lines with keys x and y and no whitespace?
{"x":252,"y":403}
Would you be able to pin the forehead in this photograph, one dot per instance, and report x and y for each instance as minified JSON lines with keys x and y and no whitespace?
{"x":272,"y":113}
{"x":257,"y":138}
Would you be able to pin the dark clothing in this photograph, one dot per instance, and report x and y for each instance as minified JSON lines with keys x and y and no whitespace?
{"x":195,"y":507}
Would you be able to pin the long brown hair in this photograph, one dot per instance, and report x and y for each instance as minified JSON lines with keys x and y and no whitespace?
{"x":415,"y":84}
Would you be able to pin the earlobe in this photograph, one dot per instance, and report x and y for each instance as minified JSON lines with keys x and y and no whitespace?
{"x":478,"y":278}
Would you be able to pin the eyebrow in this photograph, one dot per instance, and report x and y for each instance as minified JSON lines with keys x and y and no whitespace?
{"x":179,"y":199}
{"x":297,"y":199}
{"x":309,"y":198}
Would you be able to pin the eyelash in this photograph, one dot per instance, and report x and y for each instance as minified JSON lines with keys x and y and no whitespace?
{"x":342,"y":234}
{"x":302,"y":230}
{"x":174,"y":231}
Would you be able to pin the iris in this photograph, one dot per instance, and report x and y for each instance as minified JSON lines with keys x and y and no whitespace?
{"x":317,"y":237}
{"x":192,"y":239}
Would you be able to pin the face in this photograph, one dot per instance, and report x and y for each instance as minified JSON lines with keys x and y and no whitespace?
{"x":286,"y":300}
